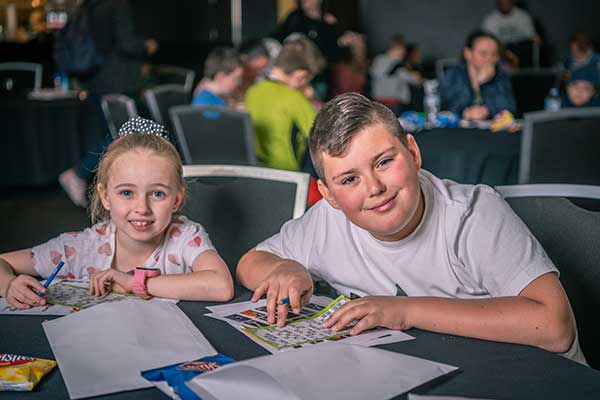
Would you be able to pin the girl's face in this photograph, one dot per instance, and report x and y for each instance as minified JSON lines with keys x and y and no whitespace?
{"x":141,"y":195}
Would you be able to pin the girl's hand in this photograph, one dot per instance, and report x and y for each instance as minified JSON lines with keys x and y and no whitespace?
{"x":288,"y":280}
{"x":22,"y":292}
{"x":102,"y":283}
{"x":372,"y":311}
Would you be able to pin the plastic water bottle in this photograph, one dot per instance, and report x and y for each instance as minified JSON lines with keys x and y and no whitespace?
{"x":431,"y":100}
{"x":552,"y":102}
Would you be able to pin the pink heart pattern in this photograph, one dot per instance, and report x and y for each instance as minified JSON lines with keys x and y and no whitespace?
{"x":195,"y":242}
{"x":105,"y":250}
{"x":74,"y":234}
{"x":69,"y":251}
{"x":173,"y":259}
{"x":102,"y":229}
{"x":91,"y":270}
{"x":68,"y":276}
{"x":175,"y":232}
{"x":55,"y":256}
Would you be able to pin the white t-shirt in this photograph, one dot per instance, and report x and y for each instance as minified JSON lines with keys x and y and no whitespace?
{"x":469,"y":245}
{"x":395,"y":86}
{"x":510,"y":28}
{"x":92,"y":250}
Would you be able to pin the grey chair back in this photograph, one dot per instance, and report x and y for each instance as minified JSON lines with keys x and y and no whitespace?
{"x":160,"y":99}
{"x":571,"y":237}
{"x":561,"y":147}
{"x":240,"y":206}
{"x":214,"y":135}
{"x":531,"y":86}
{"x":20,"y":76}
{"x":170,"y":74}
{"x":117,"y":109}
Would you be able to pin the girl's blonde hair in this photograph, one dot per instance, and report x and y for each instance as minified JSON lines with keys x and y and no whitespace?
{"x":131,"y":142}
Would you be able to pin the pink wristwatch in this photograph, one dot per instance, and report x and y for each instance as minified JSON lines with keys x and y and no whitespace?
{"x":139,"y":280}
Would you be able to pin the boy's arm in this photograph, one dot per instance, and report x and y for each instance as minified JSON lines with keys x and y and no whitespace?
{"x":210,"y":279}
{"x":540,"y":315}
{"x":17,"y":283}
{"x":278,"y":278}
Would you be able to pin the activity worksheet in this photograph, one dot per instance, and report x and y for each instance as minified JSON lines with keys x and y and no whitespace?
{"x":303,"y":329}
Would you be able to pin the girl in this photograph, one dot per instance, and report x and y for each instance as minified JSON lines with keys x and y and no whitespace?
{"x":139,"y":187}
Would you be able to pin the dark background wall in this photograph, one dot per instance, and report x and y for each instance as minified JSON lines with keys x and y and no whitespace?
{"x":440,"y":26}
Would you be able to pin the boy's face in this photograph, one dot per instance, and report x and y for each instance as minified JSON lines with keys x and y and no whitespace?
{"x":375,"y":184}
{"x":230,"y":82}
{"x":580,"y":92}
{"x":299,"y":79}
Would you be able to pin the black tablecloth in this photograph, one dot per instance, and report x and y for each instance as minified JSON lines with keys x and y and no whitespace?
{"x":487,"y":369}
{"x":471,"y":156}
{"x":41,"y":138}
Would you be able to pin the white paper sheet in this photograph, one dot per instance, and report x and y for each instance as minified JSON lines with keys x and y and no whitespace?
{"x":102,"y":349}
{"x":332,"y":371}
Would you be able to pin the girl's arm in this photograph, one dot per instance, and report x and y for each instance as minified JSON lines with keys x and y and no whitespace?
{"x":17,"y":283}
{"x":210,"y":279}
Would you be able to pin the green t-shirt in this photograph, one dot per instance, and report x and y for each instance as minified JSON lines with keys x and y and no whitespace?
{"x":282,"y":118}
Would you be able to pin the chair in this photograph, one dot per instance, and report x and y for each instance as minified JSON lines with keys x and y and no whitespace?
{"x":161,"y":98}
{"x":20,"y":76}
{"x":561,"y":147}
{"x":240,"y":206}
{"x":442,"y":64}
{"x":117,"y":109}
{"x":169,"y":74}
{"x":531,"y":86}
{"x":569,"y":234}
{"x":214,"y":135}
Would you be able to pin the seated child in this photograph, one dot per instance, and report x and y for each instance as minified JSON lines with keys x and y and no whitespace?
{"x":581,"y":52}
{"x":582,"y":87}
{"x":255,"y":62}
{"x":139,"y":189}
{"x":222,"y":76}
{"x":281,"y":114}
{"x":477,"y":89}
{"x":391,"y":79}
{"x":420,"y":252}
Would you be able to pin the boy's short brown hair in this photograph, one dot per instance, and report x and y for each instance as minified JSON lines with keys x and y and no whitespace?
{"x":300,"y":53}
{"x":221,"y":59}
{"x":340,"y":119}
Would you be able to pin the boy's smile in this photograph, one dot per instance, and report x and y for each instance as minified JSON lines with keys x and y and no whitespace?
{"x":375,"y":184}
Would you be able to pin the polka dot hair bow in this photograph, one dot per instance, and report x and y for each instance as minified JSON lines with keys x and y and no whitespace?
{"x":139,"y":125}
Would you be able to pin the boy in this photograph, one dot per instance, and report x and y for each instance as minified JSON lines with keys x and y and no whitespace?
{"x":391,"y":79}
{"x":222,"y":76}
{"x":281,"y":114}
{"x":423,"y":253}
{"x":581,"y":89}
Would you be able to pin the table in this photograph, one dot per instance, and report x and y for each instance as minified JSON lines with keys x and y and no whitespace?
{"x":469,"y":155}
{"x":487,"y":369}
{"x":42,"y":138}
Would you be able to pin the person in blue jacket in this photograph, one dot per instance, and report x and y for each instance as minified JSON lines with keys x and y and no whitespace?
{"x":477,"y":89}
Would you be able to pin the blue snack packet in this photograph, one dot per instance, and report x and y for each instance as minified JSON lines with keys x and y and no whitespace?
{"x":412,"y":121}
{"x":172,"y":378}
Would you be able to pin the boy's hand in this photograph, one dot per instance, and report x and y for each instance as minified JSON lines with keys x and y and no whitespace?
{"x":289,"y":280}
{"x":102,"y":283}
{"x":22,"y":292}
{"x":388,"y":311}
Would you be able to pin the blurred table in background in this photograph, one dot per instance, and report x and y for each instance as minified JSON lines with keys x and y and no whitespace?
{"x":469,"y":155}
{"x":41,"y":138}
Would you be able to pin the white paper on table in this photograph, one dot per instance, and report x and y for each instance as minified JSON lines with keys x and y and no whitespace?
{"x":102,"y":349}
{"x":334,"y":371}
{"x":55,"y":309}
{"x":227,"y":309}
